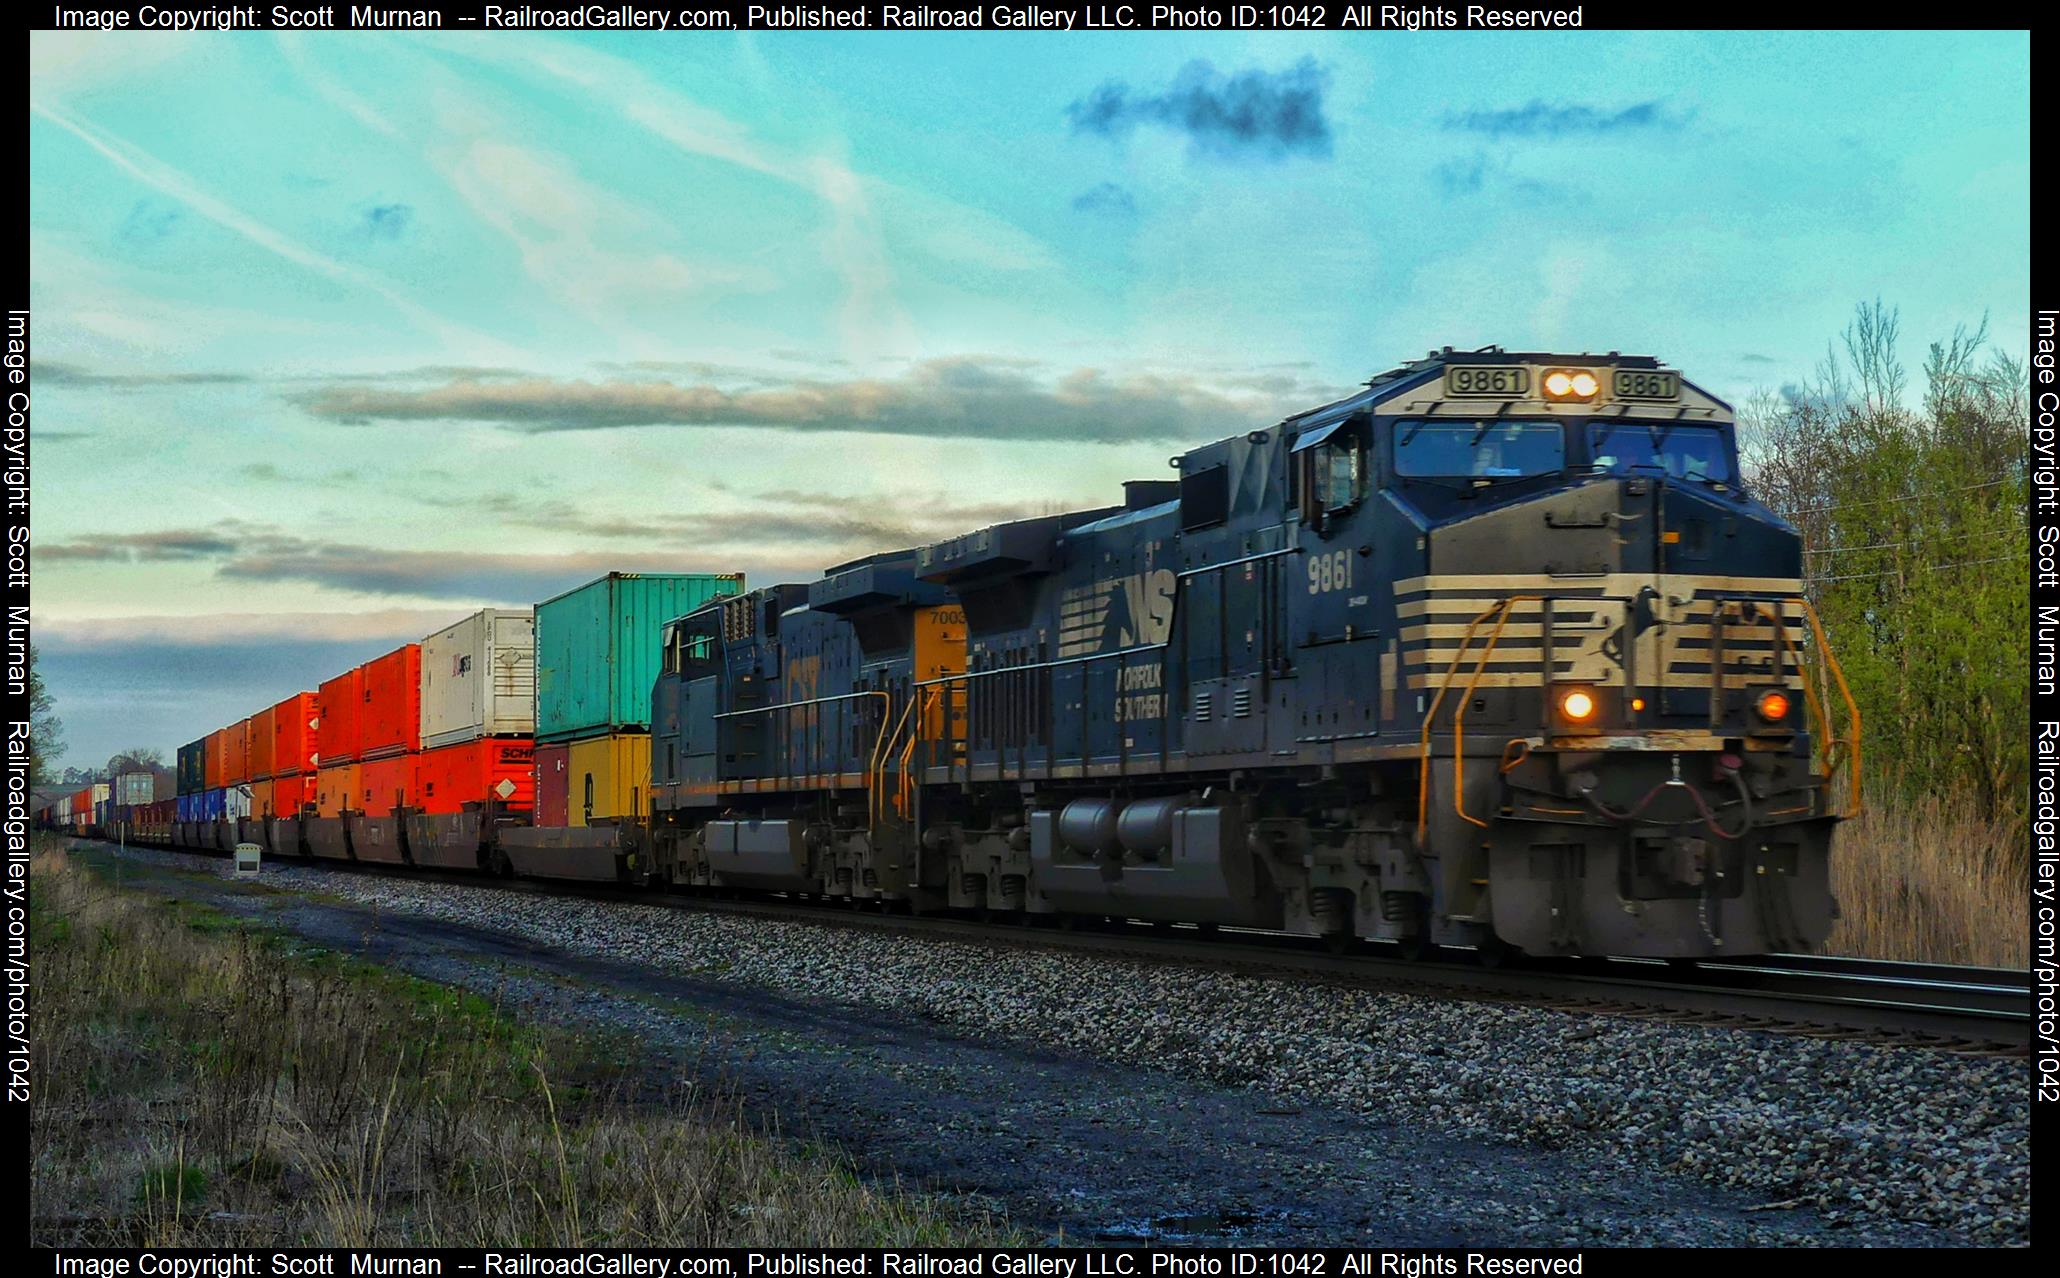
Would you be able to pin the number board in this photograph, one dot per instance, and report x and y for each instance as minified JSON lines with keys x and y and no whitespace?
{"x":1475,"y":381}
{"x":1640,"y":383}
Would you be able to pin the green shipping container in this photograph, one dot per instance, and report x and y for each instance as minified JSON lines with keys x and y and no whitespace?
{"x":192,"y":772}
{"x":597,"y":648}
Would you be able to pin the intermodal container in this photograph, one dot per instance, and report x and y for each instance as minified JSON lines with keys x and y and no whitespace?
{"x":608,"y":777}
{"x":217,"y":758}
{"x":237,"y":770}
{"x":295,"y":722}
{"x":289,"y":793}
{"x":388,"y":783}
{"x":343,"y":710}
{"x":260,"y":748}
{"x":212,"y":805}
{"x":479,"y":678}
{"x":597,"y":648}
{"x":261,"y":797}
{"x":336,"y":788}
{"x":496,"y":769}
{"x":133,"y":789}
{"x":236,"y":802}
{"x":392,"y":722}
{"x":192,"y":772}
{"x":553,"y":784}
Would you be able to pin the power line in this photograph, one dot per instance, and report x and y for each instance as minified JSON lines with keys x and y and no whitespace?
{"x":1856,"y":576}
{"x":1884,"y":501}
{"x":1888,"y":545}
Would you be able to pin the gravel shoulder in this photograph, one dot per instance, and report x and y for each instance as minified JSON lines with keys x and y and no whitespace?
{"x":1097,"y":1099}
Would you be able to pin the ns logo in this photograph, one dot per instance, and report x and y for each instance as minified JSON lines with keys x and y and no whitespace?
{"x":1116,"y":612}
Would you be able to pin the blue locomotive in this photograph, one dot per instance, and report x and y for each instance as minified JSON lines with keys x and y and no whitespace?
{"x":1497,"y":652}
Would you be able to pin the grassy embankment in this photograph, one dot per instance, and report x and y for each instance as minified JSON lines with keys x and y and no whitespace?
{"x":202,"y":1084}
{"x":1931,"y":880}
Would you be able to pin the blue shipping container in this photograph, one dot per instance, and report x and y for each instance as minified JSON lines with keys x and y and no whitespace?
{"x":212,"y":805}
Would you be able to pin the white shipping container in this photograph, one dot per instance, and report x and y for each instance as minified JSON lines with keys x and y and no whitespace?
{"x":479,"y":678}
{"x":236,"y":802}
{"x":132,"y":789}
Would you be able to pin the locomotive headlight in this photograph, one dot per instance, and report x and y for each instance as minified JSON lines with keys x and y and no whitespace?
{"x":1577,"y":705}
{"x":1773,"y":706}
{"x":1573,"y":384}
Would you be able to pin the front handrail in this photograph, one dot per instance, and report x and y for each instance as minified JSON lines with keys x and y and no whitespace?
{"x":1499,"y":609}
{"x":1852,"y":759}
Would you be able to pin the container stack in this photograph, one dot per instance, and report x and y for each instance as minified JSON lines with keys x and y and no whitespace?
{"x":390,"y":730}
{"x":478,"y":698}
{"x":597,"y":655}
{"x":294,"y":724}
{"x":336,"y":743}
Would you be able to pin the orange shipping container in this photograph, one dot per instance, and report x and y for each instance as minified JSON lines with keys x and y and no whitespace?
{"x":294,"y":722}
{"x":217,"y":774}
{"x":335,"y":789}
{"x":261,"y":798}
{"x":392,"y":719}
{"x":260,"y":747}
{"x":498,"y":768}
{"x":388,"y":783}
{"x":336,"y":737}
{"x":238,"y":770}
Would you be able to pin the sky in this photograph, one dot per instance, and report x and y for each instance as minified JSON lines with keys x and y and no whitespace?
{"x":338,"y":338}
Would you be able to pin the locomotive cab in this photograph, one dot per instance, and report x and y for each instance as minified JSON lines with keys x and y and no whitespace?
{"x":1619,"y":705}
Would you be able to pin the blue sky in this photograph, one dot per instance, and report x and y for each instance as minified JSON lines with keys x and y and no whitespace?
{"x":339,"y":337}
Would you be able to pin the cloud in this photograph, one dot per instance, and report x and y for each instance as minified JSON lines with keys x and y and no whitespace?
{"x":1538,"y":118}
{"x":386,"y":221}
{"x":147,"y":223}
{"x":179,"y":186}
{"x":1253,"y":115}
{"x":58,"y":373}
{"x":1105,"y":198}
{"x":61,"y":436}
{"x":1750,"y":358}
{"x":1462,"y":177}
{"x":169,"y":545}
{"x":953,"y":397}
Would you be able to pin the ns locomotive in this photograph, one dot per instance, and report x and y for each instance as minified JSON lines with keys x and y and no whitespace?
{"x":1498,"y":652}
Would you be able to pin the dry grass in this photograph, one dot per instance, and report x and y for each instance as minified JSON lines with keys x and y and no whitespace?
{"x":1932,"y":879}
{"x":200,"y":1085}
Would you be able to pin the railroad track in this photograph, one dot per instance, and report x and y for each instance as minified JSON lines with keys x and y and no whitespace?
{"x":1972,"y":1010}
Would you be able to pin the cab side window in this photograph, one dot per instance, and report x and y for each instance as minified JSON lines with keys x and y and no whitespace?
{"x":1331,"y":477}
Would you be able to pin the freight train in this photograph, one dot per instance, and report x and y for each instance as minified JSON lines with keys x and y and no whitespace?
{"x":1498,"y":652}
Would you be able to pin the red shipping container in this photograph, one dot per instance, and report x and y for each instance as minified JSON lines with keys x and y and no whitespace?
{"x":554,"y":784}
{"x":392,"y":693}
{"x":217,"y":774}
{"x":260,"y":746}
{"x":291,"y":793}
{"x":386,"y":784}
{"x":294,"y":722}
{"x":449,"y":777}
{"x":337,"y":734}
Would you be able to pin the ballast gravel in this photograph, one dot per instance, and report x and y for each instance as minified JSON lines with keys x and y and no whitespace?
{"x":1854,"y":1131}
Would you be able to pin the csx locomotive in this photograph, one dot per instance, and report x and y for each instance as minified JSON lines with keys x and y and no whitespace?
{"x":1497,"y":652}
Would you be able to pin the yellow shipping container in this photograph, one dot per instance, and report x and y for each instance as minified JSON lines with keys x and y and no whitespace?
{"x":608,"y":777}
{"x":336,"y":789}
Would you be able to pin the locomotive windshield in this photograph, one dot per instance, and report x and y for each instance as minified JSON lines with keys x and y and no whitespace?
{"x":1683,"y":452}
{"x":1487,"y":449}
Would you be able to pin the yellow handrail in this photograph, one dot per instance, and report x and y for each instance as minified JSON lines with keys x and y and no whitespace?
{"x":1852,"y":707}
{"x":1423,"y":779}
